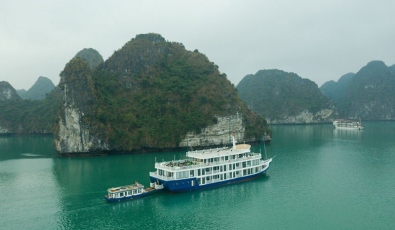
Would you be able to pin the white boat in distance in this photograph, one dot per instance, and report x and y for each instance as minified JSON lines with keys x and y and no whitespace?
{"x":347,"y":124}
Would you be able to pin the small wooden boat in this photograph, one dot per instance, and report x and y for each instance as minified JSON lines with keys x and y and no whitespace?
{"x":130,"y":192}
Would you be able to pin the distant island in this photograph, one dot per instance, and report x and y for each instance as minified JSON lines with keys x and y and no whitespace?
{"x":34,"y":115}
{"x":39,"y":90}
{"x":285,"y":98}
{"x":369,"y":94}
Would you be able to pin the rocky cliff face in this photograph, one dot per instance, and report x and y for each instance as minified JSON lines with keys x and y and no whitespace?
{"x":218,"y":134}
{"x":8,"y":98}
{"x":7,"y":92}
{"x":4,"y":130}
{"x":322,"y":116}
{"x":72,"y":134}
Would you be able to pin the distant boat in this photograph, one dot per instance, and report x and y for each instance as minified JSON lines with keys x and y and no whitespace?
{"x":348,"y":124}
{"x":129,"y":192}
{"x":209,"y":168}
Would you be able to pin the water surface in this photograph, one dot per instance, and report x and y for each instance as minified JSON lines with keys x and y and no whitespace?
{"x":320,"y":178}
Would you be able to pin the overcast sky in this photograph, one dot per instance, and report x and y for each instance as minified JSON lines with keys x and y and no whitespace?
{"x":318,"y":40}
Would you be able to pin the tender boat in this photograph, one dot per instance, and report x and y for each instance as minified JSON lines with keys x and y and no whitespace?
{"x":209,"y":168}
{"x":347,"y":124}
{"x":130,"y":192}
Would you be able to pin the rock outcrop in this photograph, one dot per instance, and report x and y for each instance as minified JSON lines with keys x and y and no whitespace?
{"x":4,"y":130}
{"x":7,"y":92}
{"x":72,"y":134}
{"x":305,"y":117}
{"x":218,"y":134}
{"x":150,"y":95}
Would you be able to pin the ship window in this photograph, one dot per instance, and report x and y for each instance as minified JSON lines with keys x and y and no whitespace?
{"x":198,"y":172}
{"x":191,"y":173}
{"x":226,"y":158}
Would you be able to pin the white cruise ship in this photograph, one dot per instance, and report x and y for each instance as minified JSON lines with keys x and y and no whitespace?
{"x":209,"y":168}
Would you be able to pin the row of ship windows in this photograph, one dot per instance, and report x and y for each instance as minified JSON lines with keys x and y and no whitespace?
{"x":224,"y":176}
{"x":127,"y":193}
{"x":211,"y":170}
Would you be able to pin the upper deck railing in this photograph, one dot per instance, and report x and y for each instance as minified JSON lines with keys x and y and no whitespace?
{"x":185,"y":164}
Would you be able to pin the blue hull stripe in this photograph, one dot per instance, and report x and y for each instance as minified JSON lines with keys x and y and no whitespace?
{"x":186,"y":184}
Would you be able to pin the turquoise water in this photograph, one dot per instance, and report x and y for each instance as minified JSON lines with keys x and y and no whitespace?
{"x":320,"y":178}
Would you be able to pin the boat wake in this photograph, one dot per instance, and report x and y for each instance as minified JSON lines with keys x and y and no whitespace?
{"x":31,"y":155}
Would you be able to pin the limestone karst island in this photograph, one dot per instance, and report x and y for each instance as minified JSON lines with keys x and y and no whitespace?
{"x":153,"y":94}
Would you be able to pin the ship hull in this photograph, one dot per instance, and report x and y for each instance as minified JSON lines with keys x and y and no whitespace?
{"x":190,"y":184}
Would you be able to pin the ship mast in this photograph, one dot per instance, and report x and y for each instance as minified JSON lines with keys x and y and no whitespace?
{"x":233,"y":140}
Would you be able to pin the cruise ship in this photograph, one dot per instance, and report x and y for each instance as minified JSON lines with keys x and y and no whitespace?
{"x":209,"y":168}
{"x":347,"y":124}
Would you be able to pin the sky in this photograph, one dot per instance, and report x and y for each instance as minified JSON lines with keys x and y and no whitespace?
{"x":318,"y":40}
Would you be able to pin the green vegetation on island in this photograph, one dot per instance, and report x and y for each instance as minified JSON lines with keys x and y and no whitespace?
{"x":151,"y":92}
{"x":370,"y":93}
{"x":276,"y":94}
{"x":28,"y":116}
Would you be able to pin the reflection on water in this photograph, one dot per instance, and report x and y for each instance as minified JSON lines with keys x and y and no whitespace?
{"x":302,"y":136}
{"x":347,"y":134}
{"x":26,"y":146}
